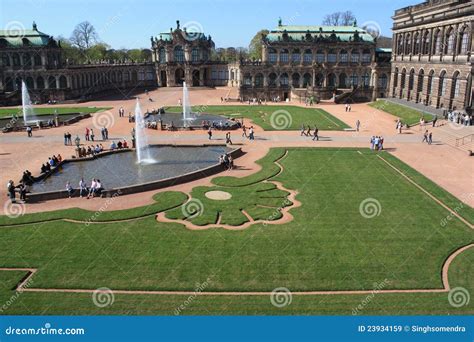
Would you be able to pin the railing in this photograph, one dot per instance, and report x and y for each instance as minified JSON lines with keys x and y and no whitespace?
{"x":465,"y":140}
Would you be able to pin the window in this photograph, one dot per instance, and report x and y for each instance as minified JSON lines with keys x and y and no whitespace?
{"x":162,"y":55}
{"x":417,"y":44}
{"x":354,"y":80}
{"x":365,"y":80}
{"x":355,"y":56}
{"x":320,"y":58}
{"x":464,"y":41}
{"x":259,"y":80}
{"x":442,"y":84}
{"x":366,"y":56}
{"x":296,"y":56}
{"x":178,"y":54}
{"x":284,"y":56}
{"x":284,"y":79}
{"x":272,"y":56}
{"x":332,"y":57}
{"x":308,"y":56}
{"x":195,"y":55}
{"x":5,"y":60}
{"x":426,"y":43}
{"x":382,"y":82}
{"x":437,"y":43}
{"x":400,"y":45}
{"x":407,"y":44}
{"x":450,"y":37}
{"x":344,"y":57}
{"x":247,"y":80}
{"x":456,"y":85}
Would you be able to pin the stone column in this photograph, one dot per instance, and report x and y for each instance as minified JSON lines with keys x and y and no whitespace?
{"x":169,"y":55}
{"x":374,"y":79}
{"x":201,"y":77}
{"x":187,"y":53}
{"x":264,"y":53}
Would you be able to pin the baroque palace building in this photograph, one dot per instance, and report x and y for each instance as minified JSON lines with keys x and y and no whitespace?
{"x":432,"y":54}
{"x":36,"y":58}
{"x":320,"y":61}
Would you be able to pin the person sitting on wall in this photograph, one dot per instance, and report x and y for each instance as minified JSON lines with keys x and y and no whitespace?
{"x":44,"y":168}
{"x":113,"y":146}
{"x":69,"y":189}
{"x":125,"y":145}
{"x":98,"y":188}
{"x":119,"y":145}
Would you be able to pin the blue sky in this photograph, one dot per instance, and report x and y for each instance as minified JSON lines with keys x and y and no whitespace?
{"x":130,"y":23}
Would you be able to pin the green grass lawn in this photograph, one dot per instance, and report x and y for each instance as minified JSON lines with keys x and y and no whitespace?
{"x":328,"y":246}
{"x":264,"y":116}
{"x":408,"y":115}
{"x":8,"y":112}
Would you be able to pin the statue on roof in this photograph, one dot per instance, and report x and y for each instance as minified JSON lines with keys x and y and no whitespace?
{"x":34,"y":26}
{"x":279,"y":22}
{"x":355,"y":23}
{"x":177,"y":24}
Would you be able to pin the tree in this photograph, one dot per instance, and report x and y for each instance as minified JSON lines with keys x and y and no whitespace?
{"x":255,"y":47}
{"x":346,"y":18}
{"x":84,"y":36}
{"x":71,"y":53}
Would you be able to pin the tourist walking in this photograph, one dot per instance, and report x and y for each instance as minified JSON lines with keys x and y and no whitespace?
{"x":430,"y":138}
{"x":251,"y":133}
{"x":209,"y":133}
{"x":244,"y":131}
{"x":303,"y":130}
{"x":434,"y":121}
{"x":11,"y":191}
{"x":315,"y":134}
{"x":357,"y":125}
{"x":425,"y":137}
{"x":86,"y":135}
{"x":227,"y":138}
{"x":29,"y":130}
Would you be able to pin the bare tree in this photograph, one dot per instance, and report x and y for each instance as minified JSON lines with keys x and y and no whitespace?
{"x":84,"y":36}
{"x":339,"y":19}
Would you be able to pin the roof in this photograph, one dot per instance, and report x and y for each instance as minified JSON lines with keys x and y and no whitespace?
{"x":22,"y":37}
{"x":387,"y":50}
{"x":299,"y":33}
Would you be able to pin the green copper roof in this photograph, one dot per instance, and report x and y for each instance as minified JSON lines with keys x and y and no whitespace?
{"x":20,"y":38}
{"x":166,"y":36}
{"x":298,"y":33}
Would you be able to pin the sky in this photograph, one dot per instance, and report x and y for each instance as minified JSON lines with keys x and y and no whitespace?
{"x":131,"y":23}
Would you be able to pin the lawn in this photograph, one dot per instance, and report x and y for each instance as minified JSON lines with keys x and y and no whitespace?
{"x":408,"y":115}
{"x":328,"y":246}
{"x":272,"y":118}
{"x":8,"y":112}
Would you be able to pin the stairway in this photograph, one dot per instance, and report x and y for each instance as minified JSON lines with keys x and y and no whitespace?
{"x":453,"y":134}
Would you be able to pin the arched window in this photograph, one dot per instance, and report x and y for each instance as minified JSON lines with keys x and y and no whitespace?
{"x":247,"y":80}
{"x":343,"y":80}
{"x":382,"y":82}
{"x":442,"y":84}
{"x":417,"y":44}
{"x":399,"y":44}
{"x":450,"y":39}
{"x":307,"y":80}
{"x":331,"y":80}
{"x":284,"y":80}
{"x":437,"y":42}
{"x":421,"y":75}
{"x":52,"y":82}
{"x":5,"y":60}
{"x":319,"y":80}
{"x":366,"y":80}
{"x":395,"y":78}
{"x":407,"y":44}
{"x":464,"y":39}
{"x":30,"y":83}
{"x":195,"y":54}
{"x":272,"y":80}
{"x":455,"y":88}
{"x":272,"y":55}
{"x":366,"y":56}
{"x":40,"y":82}
{"x":259,"y":80}
{"x":295,"y":80}
{"x":16,"y":59}
{"x":308,"y":56}
{"x":343,"y":56}
{"x":63,"y":82}
{"x":162,"y":55}
{"x":403,"y":78}
{"x":354,"y":79}
{"x":411,"y":79}
{"x":178,"y":54}
{"x":296,"y":56}
{"x":320,"y":56}
{"x":26,"y":60}
{"x":284,"y":56}
{"x":426,"y":43}
{"x":332,"y":57}
{"x":430,"y":82}
{"x":355,"y":56}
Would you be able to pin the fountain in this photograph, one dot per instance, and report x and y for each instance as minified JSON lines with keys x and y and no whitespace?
{"x":187,"y":113}
{"x":27,"y":108}
{"x":141,"y":141}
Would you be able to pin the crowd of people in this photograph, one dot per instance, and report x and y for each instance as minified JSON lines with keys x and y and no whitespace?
{"x":21,"y":188}
{"x":251,"y":132}
{"x":376,"y":143}
{"x":95,"y":188}
{"x":226,"y":161}
{"x":459,"y":118}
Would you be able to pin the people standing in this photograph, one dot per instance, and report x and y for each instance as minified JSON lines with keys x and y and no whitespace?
{"x":357,"y":125}
{"x":92,"y":134}
{"x":430,"y":138}
{"x":244,"y":131}
{"x":251,"y":133}
{"x":29,"y":130}
{"x":209,"y":133}
{"x":227,"y":138}
{"x":87,"y":134}
{"x":425,"y":137}
{"x":11,"y":191}
{"x":315,"y":134}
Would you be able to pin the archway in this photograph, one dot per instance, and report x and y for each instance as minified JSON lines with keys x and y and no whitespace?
{"x":164,"y":81}
{"x":196,"y":78}
{"x":179,"y":77}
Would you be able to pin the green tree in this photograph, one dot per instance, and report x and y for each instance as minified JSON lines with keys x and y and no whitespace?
{"x":255,"y":47}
